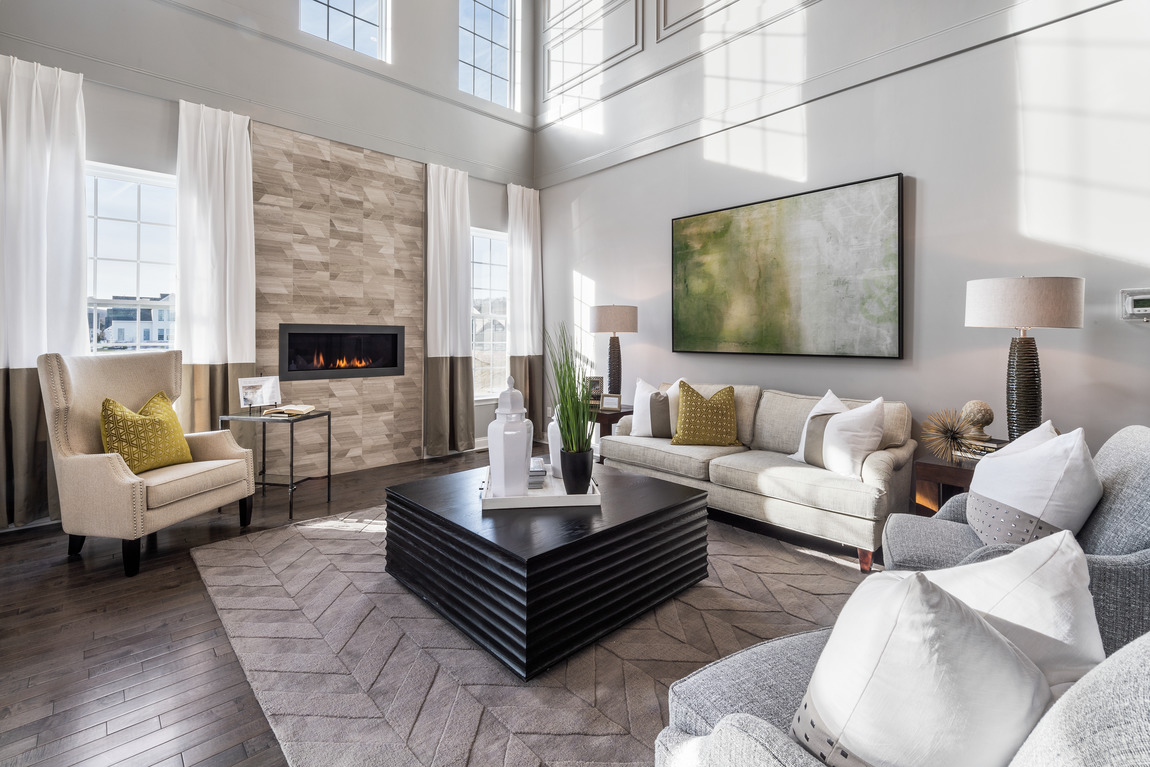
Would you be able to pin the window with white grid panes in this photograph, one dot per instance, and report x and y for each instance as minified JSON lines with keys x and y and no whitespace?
{"x":485,"y":50}
{"x":131,"y":258}
{"x":490,"y":362}
{"x":357,"y":24}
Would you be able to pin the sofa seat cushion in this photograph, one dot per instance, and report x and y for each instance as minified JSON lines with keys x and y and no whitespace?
{"x":175,"y":483}
{"x":684,"y":460}
{"x":775,"y":475}
{"x":766,"y":680}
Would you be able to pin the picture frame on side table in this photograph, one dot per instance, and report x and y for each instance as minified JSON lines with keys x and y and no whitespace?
{"x":611,"y":403}
{"x":596,"y":385}
{"x":260,"y":391}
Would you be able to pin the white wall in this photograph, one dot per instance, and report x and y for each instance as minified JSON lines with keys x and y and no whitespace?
{"x":1023,"y":156}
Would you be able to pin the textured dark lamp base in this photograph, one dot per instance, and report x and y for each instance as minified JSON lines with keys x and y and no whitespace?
{"x":614,"y":366}
{"x":1023,"y":388}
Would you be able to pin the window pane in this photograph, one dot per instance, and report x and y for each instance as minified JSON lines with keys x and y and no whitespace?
{"x":499,"y":91}
{"x":119,"y":327}
{"x":116,"y":239}
{"x":157,"y":280}
{"x":91,"y":237}
{"x":343,"y":5}
{"x":117,"y":198}
{"x":499,"y":303}
{"x":481,"y":276}
{"x":481,"y":249}
{"x":157,"y":243}
{"x":157,"y":204}
{"x":483,"y":54}
{"x":500,"y":64}
{"x":480,"y":300}
{"x":115,"y":279}
{"x":367,"y":38}
{"x":499,"y":278}
{"x":340,"y":28}
{"x":466,"y":46}
{"x":465,"y":78}
{"x":368,"y":10}
{"x":313,"y":18}
{"x":90,"y":193}
{"x":483,"y":21}
{"x":499,"y":252}
{"x":482,"y":85}
{"x":500,"y":29}
{"x":467,"y":14}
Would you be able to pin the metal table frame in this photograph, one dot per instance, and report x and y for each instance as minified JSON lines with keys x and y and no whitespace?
{"x":264,"y":420}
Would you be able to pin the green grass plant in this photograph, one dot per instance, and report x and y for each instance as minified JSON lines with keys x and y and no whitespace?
{"x":570,"y":390}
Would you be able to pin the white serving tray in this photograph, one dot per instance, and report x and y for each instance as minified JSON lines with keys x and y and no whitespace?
{"x":551,"y":494}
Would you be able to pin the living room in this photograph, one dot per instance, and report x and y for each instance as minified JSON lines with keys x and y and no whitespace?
{"x":1019,"y":130}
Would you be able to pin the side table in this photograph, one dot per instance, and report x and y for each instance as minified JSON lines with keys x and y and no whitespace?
{"x":606,"y":421}
{"x":936,"y":481}
{"x":291,"y":421}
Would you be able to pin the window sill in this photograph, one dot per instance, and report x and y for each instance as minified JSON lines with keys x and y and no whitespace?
{"x":493,"y":400}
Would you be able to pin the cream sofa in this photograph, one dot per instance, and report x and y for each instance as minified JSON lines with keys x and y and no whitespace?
{"x":758,"y":480}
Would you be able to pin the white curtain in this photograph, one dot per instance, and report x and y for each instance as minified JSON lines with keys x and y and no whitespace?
{"x":525,"y":298}
{"x":450,"y":401}
{"x":43,"y":263}
{"x":215,"y":319}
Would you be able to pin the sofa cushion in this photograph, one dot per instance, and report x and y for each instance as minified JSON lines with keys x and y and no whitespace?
{"x":706,"y":420}
{"x":175,"y":483}
{"x":685,"y":460}
{"x":746,"y":403}
{"x":777,"y":476}
{"x":780,"y":417}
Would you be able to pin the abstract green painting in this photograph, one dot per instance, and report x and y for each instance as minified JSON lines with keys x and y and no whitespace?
{"x":816,"y":274}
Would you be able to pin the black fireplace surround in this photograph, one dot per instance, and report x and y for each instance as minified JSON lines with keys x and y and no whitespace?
{"x":340,"y":351}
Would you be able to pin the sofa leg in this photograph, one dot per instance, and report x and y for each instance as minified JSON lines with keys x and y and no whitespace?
{"x":75,"y":543}
{"x":866,"y":559}
{"x":246,"y":511}
{"x":131,"y":551}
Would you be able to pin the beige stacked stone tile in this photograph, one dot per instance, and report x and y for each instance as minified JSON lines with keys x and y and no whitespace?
{"x":340,"y":239}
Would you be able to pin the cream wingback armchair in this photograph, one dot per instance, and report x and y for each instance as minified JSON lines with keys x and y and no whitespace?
{"x":99,"y":496}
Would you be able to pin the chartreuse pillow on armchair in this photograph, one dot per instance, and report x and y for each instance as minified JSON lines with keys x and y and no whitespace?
{"x":147,"y":440}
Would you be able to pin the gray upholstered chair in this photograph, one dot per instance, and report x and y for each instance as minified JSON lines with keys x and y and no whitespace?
{"x":99,"y":496}
{"x":1116,"y":538}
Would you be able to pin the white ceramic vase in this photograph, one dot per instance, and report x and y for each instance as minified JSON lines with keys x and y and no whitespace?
{"x":509,"y":444}
{"x":555,"y":445}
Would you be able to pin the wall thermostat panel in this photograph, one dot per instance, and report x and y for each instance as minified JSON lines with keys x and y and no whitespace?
{"x":1134,"y":303}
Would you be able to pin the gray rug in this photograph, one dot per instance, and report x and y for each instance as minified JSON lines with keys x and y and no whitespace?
{"x":351,"y":669}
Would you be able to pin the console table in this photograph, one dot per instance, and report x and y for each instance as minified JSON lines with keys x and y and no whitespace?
{"x":291,"y":421}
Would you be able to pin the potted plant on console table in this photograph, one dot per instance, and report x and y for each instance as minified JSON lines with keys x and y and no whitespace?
{"x":571,"y":396}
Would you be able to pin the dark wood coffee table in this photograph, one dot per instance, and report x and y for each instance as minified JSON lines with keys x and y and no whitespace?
{"x":532,"y":586}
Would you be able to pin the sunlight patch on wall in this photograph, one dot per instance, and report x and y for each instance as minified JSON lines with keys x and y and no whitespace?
{"x":737,"y":77}
{"x":584,"y":299}
{"x":1084,"y":132}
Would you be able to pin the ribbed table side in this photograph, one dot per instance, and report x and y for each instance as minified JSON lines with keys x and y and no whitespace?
{"x":531,"y":615}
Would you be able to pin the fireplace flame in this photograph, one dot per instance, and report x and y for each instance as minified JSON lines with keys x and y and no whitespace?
{"x":318,"y":362}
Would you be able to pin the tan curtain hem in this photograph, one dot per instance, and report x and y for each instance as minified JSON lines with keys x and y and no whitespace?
{"x":449,"y":420}
{"x":24,"y":450}
{"x":528,"y":374}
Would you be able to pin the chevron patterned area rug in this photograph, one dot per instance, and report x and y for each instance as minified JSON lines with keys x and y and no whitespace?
{"x":352,"y":669}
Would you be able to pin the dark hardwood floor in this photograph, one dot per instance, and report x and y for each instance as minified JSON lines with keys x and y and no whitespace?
{"x":99,"y":669}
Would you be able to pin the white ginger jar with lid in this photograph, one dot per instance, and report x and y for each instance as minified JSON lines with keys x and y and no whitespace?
{"x":509,"y":444}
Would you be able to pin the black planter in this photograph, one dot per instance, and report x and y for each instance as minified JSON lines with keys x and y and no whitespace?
{"x":576,"y":471}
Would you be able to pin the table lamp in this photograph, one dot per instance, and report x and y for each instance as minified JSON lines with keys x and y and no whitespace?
{"x":614,"y":320}
{"x":1024,"y":303}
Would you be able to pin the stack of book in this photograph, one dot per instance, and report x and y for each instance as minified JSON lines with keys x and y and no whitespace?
{"x":978,"y":450}
{"x":536,"y":474}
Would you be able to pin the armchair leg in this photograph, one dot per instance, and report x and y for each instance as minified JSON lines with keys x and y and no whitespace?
{"x":246,"y":511}
{"x":866,"y":559}
{"x":131,"y":551}
{"x":75,"y":543}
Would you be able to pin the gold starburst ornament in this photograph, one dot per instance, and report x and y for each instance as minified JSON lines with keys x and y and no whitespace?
{"x":947,"y":432}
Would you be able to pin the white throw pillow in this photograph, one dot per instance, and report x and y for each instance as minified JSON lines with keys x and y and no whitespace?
{"x":1020,"y":494}
{"x":911,"y":676}
{"x":1038,"y":597}
{"x":1032,"y":438}
{"x":828,"y":405}
{"x":673,"y":403}
{"x":641,"y":418}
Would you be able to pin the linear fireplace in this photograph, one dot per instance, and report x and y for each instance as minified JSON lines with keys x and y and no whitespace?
{"x":340,"y":351}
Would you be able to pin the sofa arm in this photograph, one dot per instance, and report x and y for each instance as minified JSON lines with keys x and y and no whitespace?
{"x":100,"y":496}
{"x":738,"y":740}
{"x":1120,"y":585}
{"x":215,"y":446}
{"x":881,"y":465}
{"x":623,"y":427}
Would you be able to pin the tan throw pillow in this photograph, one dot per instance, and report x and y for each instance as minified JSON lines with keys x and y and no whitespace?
{"x":705,"y":421}
{"x":148,"y":439}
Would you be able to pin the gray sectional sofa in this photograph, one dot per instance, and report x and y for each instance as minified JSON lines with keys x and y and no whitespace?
{"x":758,"y":480}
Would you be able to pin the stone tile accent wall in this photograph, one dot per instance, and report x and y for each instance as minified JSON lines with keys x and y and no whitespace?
{"x":340,"y":239}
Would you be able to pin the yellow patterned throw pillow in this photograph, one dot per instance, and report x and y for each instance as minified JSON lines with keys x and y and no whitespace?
{"x":147,"y":440}
{"x":705,"y":421}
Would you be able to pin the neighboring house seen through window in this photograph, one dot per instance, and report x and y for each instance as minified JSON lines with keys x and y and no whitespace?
{"x":485,"y":49}
{"x":357,"y":24}
{"x":131,"y":258}
{"x":490,"y":363}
